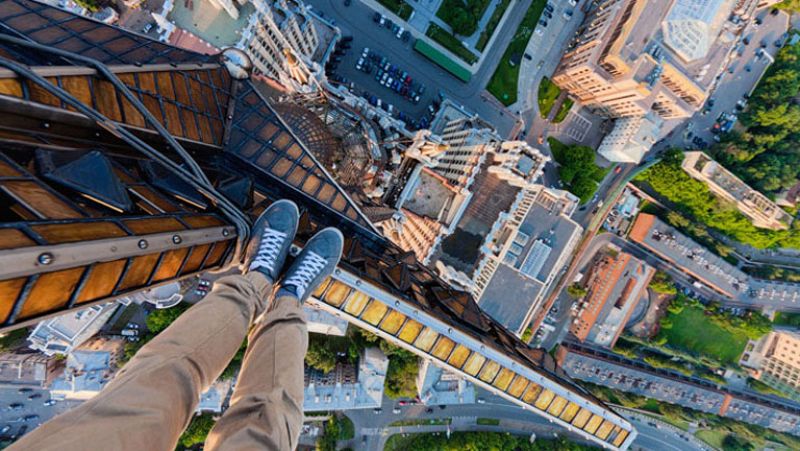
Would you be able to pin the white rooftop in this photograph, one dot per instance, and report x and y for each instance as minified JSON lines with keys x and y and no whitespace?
{"x":692,"y":26}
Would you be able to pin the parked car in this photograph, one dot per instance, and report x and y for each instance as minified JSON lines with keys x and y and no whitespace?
{"x":35,"y":396}
{"x":50,"y":402}
{"x":16,"y":406}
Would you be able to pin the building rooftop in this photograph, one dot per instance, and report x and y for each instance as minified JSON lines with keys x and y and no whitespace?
{"x":692,"y":26}
{"x":210,"y":24}
{"x":346,"y":387}
{"x":508,"y":296}
{"x":437,"y":386}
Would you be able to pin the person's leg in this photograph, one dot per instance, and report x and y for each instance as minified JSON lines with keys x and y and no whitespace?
{"x":151,"y":400}
{"x":266,"y":409}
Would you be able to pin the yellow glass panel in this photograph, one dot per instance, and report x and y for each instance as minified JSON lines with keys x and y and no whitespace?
{"x":392,"y":322}
{"x":459,"y":356}
{"x":544,"y":399}
{"x":426,"y":339}
{"x":557,"y":406}
{"x":410,"y":331}
{"x":614,"y":433}
{"x":593,"y":424}
{"x":518,"y":386}
{"x":374,"y":312}
{"x":503,"y":379}
{"x":569,"y":413}
{"x":317,"y":294}
{"x":356,"y":303}
{"x":582,"y":417}
{"x":489,"y":371}
{"x":604,"y":429}
{"x":443,"y":348}
{"x":621,"y":438}
{"x":532,"y":393}
{"x":474,"y":363}
{"x":337,"y":294}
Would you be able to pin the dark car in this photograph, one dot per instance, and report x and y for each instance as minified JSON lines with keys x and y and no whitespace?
{"x":30,"y":417}
{"x":25,"y":390}
{"x":527,"y":57}
{"x":376,"y":17}
{"x":350,"y":38}
{"x":16,"y":406}
{"x":542,"y":22}
{"x":35,"y":396}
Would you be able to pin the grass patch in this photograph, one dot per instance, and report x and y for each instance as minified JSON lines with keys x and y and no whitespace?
{"x":547,"y":95}
{"x":488,"y":31}
{"x":462,"y":15}
{"x":503,"y":84}
{"x":400,"y":8}
{"x":442,"y":60}
{"x":488,"y":422}
{"x":712,"y":437}
{"x":451,"y":43}
{"x":422,"y":422}
{"x":763,"y":388}
{"x":695,"y":332}
{"x":563,"y":110}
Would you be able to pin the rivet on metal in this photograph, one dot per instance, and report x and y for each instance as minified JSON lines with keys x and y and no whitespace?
{"x":142,"y":244}
{"x":45,"y":258}
{"x":176,"y":239}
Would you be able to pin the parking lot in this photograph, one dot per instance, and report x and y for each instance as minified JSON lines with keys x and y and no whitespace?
{"x":377,"y":76}
{"x":14,"y":418}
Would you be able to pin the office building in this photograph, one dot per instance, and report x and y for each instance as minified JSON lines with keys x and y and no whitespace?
{"x":27,"y":369}
{"x":631,"y":138}
{"x":347,"y":386}
{"x":616,"y":282}
{"x":632,"y":57}
{"x":775,"y":360}
{"x":757,"y":207}
{"x":177,"y":181}
{"x":87,"y":372}
{"x":62,"y":334}
{"x":437,"y":386}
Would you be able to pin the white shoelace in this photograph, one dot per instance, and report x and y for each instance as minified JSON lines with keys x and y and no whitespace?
{"x":268,"y":250}
{"x":310,"y":267}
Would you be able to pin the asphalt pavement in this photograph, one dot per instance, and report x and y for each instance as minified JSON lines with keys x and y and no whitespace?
{"x":356,"y":20}
{"x":15,"y":418}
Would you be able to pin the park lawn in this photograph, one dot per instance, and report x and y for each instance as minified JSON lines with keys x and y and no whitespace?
{"x":450,"y":42}
{"x":488,"y":31}
{"x":503,"y":84}
{"x":399,"y":7}
{"x":713,"y":437}
{"x":546,"y":96}
{"x":563,"y":110}
{"x":694,"y":332}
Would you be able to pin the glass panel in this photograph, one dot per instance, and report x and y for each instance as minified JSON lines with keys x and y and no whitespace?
{"x":443,"y":348}
{"x":336,"y":294}
{"x":410,"y":331}
{"x":489,"y":371}
{"x":503,"y":379}
{"x":474,"y":364}
{"x":604,"y":429}
{"x":459,"y":356}
{"x":518,"y":386}
{"x":582,"y":417}
{"x":374,"y":313}
{"x":426,"y":339}
{"x":50,"y":292}
{"x":557,"y":406}
{"x":391,"y":324}
{"x":170,"y":264}
{"x":356,"y":303}
{"x":621,"y":438}
{"x":531,"y":393}
{"x":569,"y":413}
{"x":139,"y":271}
{"x":9,"y":292}
{"x":593,"y":424}
{"x":101,"y":280}
{"x":544,"y":399}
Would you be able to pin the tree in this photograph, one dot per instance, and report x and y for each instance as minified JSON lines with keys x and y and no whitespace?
{"x":576,"y":291}
{"x":196,"y":432}
{"x":319,"y":356}
{"x":160,"y":319}
{"x":733,"y":442}
{"x":577,"y":169}
{"x":662,"y":283}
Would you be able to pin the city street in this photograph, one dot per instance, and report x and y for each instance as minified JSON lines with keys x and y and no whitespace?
{"x":14,"y":418}
{"x":356,"y":20}
{"x":372,"y":429}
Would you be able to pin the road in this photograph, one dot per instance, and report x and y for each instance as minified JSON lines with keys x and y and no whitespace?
{"x":356,"y":20}
{"x":10,"y":394}
{"x":374,"y":427}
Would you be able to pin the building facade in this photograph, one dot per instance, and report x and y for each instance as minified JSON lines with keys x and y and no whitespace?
{"x":762,"y":212}
{"x":775,"y":360}
{"x":177,"y":180}
{"x":630,"y":139}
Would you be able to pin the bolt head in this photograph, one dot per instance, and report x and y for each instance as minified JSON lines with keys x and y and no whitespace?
{"x":45,"y":258}
{"x":176,"y":239}
{"x":143,"y":244}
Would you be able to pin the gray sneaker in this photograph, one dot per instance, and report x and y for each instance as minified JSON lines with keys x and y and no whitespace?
{"x":272,"y":236}
{"x":316,"y":262}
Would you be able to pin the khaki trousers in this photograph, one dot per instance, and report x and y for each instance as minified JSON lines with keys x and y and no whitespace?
{"x":151,"y":400}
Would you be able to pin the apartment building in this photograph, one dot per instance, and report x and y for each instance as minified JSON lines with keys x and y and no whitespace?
{"x":631,"y":138}
{"x":762,"y":212}
{"x":775,"y":360}
{"x":635,"y":56}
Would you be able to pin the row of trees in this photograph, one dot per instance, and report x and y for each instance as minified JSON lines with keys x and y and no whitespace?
{"x":766,"y":153}
{"x":478,"y":441}
{"x":693,"y":200}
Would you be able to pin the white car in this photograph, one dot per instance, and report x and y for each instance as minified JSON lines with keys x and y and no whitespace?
{"x":396,"y":410}
{"x":539,"y":31}
{"x":365,"y":53}
{"x":400,"y":32}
